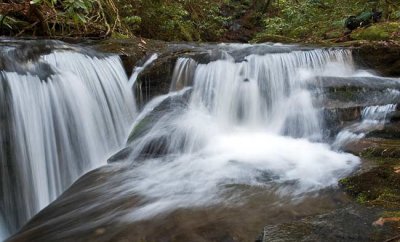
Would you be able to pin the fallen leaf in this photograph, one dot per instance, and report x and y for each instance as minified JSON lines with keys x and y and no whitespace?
{"x":381,"y":221}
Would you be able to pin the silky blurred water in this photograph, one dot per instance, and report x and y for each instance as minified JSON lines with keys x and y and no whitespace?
{"x":59,"y":127}
{"x":253,"y":122}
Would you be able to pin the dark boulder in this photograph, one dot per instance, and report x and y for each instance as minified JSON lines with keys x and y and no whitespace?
{"x":362,"y":20}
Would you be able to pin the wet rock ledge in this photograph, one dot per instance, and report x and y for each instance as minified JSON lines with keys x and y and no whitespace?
{"x":383,"y":57}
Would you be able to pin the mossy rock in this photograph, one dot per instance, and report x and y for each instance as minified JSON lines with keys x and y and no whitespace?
{"x":376,"y":149}
{"x":379,"y":186}
{"x":263,"y":37}
{"x":382,"y":31}
{"x":333,"y":34}
{"x":391,"y":131}
{"x":381,"y":56}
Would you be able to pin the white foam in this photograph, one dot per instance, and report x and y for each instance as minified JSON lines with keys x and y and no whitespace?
{"x":249,"y":123}
{"x":239,"y":157}
{"x":372,"y":118}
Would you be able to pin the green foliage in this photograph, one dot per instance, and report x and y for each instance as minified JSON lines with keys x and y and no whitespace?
{"x":178,"y":20}
{"x":76,"y":10}
{"x":6,"y":22}
{"x":375,"y":32}
{"x":362,"y":198}
{"x":317,"y":19}
{"x":209,"y":20}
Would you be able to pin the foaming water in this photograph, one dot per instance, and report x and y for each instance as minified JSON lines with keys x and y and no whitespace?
{"x":238,"y":139}
{"x":372,"y":118}
{"x":377,"y":113}
{"x":236,"y":158}
{"x":58,"y":127}
{"x":247,"y":123}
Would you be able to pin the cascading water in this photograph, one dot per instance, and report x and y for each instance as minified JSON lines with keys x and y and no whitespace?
{"x":183,"y":73}
{"x":377,"y":114}
{"x":139,"y":69}
{"x":246,"y":122}
{"x":372,"y":118}
{"x":64,"y":113}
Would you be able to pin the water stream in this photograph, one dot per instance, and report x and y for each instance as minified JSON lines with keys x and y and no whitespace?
{"x":137,"y":70}
{"x":372,"y":118}
{"x":242,"y":133}
{"x":61,"y":122}
{"x":252,"y":122}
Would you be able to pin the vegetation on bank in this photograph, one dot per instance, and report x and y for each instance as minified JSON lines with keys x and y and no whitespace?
{"x":198,"y":20}
{"x":316,"y":20}
{"x":379,"y":186}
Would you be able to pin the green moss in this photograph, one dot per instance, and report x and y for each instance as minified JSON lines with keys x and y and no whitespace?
{"x":362,"y":198}
{"x":116,"y":35}
{"x":383,"y":151}
{"x":265,"y":37}
{"x":344,"y":181}
{"x":391,"y":214}
{"x":333,"y":34}
{"x":379,"y":186}
{"x":344,"y":93}
{"x":381,"y":31}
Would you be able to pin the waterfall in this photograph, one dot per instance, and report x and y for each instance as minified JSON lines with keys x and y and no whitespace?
{"x":377,"y":114}
{"x":183,"y":73}
{"x":372,"y":118}
{"x":262,"y":92}
{"x":64,"y":113}
{"x":247,"y":122}
{"x":139,"y":69}
{"x":244,"y":122}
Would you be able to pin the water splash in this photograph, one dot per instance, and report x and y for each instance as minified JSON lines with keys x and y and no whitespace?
{"x":248,"y":123}
{"x":377,"y":113}
{"x":241,"y":125}
{"x":372,"y":118}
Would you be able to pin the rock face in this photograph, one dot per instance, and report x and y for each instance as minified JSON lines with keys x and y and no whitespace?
{"x":353,"y":223}
{"x":381,"y":57}
{"x":345,"y":98}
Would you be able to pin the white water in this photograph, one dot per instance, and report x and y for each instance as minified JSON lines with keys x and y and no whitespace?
{"x":152,"y":104}
{"x":249,"y":123}
{"x":377,"y":114}
{"x":183,"y":73}
{"x":139,"y":69}
{"x":61,"y":128}
{"x":372,"y":118}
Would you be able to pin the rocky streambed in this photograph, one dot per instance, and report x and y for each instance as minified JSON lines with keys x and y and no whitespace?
{"x":364,"y":207}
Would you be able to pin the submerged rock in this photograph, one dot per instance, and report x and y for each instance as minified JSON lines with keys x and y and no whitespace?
{"x":158,"y":146}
